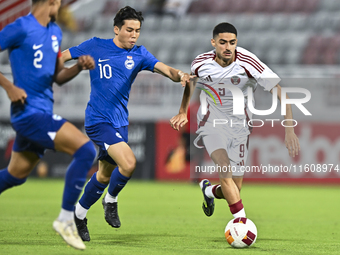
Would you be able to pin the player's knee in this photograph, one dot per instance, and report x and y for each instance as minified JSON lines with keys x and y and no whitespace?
{"x":130,"y":165}
{"x":87,"y":152}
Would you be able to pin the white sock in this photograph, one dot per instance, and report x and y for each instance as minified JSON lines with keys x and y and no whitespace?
{"x":80,"y":211}
{"x":240,"y":213}
{"x":65,"y":215}
{"x":110,"y":199}
{"x":208,"y":191}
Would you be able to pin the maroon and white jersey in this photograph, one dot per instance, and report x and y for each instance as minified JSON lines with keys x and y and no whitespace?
{"x":246,"y":71}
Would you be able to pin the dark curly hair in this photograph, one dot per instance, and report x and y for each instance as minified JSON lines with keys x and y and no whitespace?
{"x":127,"y":13}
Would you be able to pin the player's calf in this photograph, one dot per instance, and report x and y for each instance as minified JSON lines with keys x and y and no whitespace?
{"x":7,"y":180}
{"x":76,"y":174}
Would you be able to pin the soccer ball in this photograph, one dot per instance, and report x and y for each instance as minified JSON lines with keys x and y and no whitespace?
{"x":240,"y":232}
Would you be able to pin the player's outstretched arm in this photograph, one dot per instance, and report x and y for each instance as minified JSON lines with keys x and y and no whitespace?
{"x":291,"y":140}
{"x":172,"y":73}
{"x":181,"y":118}
{"x":15,"y":94}
{"x":64,"y":74}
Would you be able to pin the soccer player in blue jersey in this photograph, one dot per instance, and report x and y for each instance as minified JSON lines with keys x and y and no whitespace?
{"x":33,"y":43}
{"x":118,"y":61}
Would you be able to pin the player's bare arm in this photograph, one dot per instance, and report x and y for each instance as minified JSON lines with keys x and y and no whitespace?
{"x":181,"y":118}
{"x":15,"y":94}
{"x":172,"y":73}
{"x":291,"y":140}
{"x":64,"y":74}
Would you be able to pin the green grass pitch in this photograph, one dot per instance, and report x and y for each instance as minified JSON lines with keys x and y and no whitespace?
{"x":166,"y":218}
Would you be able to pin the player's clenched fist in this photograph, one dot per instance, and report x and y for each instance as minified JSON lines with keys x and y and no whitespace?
{"x":185,"y":78}
{"x":16,"y":95}
{"x":86,"y":62}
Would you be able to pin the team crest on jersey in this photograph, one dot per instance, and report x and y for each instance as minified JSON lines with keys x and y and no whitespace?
{"x":55,"y":44}
{"x":235,"y":80}
{"x":129,"y":63}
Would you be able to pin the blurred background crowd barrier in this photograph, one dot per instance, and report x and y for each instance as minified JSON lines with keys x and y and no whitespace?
{"x":299,"y":40}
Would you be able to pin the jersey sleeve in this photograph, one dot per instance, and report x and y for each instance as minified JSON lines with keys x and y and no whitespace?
{"x":84,"y":48}
{"x":149,"y":60}
{"x":264,"y":76}
{"x":199,"y":61}
{"x":12,"y":35}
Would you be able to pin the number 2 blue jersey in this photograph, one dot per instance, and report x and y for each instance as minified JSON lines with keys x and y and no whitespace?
{"x":111,"y":80}
{"x":33,"y":51}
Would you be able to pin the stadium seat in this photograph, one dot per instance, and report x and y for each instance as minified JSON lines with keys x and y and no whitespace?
{"x":297,"y":22}
{"x":329,"y":56}
{"x":279,"y":22}
{"x":310,"y":6}
{"x":238,"y":6}
{"x":151,"y":23}
{"x":110,"y":7}
{"x":261,"y":22}
{"x":188,"y":23}
{"x":243,"y":22}
{"x":328,"y":5}
{"x":226,"y":17}
{"x":292,"y":6}
{"x":320,"y":22}
{"x":338,"y":58}
{"x":310,"y":56}
{"x":102,"y":24}
{"x":274,"y":6}
{"x":334,"y":24}
{"x":335,"y":42}
{"x":206,"y":22}
{"x":198,"y":6}
{"x":273,"y":56}
{"x":168,"y":23}
{"x":257,"y":6}
{"x":220,"y":6}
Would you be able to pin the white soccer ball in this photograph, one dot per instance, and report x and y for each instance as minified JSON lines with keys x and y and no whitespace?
{"x":240,"y":232}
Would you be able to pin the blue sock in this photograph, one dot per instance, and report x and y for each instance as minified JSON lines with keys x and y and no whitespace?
{"x":93,"y":191}
{"x":76,"y":175}
{"x":8,"y":181}
{"x":117,"y":182}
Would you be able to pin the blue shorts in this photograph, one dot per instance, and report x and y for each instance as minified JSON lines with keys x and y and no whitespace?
{"x":104,"y":135}
{"x":36,"y":133}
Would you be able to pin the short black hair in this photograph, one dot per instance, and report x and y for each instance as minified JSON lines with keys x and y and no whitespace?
{"x":127,"y":13}
{"x":224,"y":28}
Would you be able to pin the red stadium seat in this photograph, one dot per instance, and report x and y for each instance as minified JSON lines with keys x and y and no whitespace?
{"x":310,"y":6}
{"x":275,"y":6}
{"x":310,"y":56}
{"x":199,"y":6}
{"x":294,"y":6}
{"x":329,"y":56}
{"x":257,"y":6}
{"x":219,"y":6}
